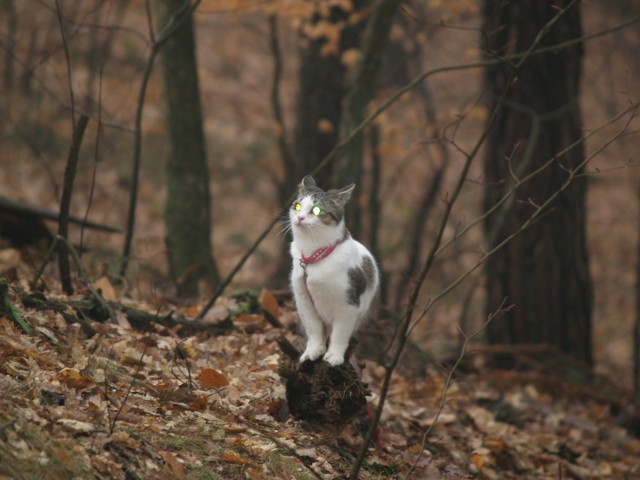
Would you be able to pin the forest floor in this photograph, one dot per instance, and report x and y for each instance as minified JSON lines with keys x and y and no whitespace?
{"x":105,"y":399}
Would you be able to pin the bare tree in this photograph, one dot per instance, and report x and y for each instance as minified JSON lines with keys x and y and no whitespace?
{"x":545,"y":273}
{"x":322,"y":86}
{"x":361,"y":88}
{"x":188,"y":210}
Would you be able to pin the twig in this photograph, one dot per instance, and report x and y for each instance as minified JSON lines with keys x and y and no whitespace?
{"x":67,"y":57}
{"x":288,"y":348}
{"x":83,"y":274}
{"x":279,"y":443}
{"x":72,"y":162}
{"x":106,"y":397}
{"x":8,"y":310}
{"x":112,"y":426}
{"x":223,"y":285}
{"x":65,"y":203}
{"x":467,"y":340}
{"x":45,"y":262}
{"x":178,"y":353}
{"x":96,"y":155}
{"x":276,"y":107}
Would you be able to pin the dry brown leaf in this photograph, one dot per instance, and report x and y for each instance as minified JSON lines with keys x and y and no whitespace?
{"x":211,"y":378}
{"x":108,"y":292}
{"x":74,"y":379}
{"x":76,"y":425}
{"x":231,"y":457}
{"x":269,"y":303}
{"x":200,"y":403}
{"x":478,"y":460}
{"x":172,"y":467}
{"x":309,"y":452}
{"x":250,"y":322}
{"x":496,"y":445}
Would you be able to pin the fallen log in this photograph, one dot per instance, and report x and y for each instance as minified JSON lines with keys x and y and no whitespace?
{"x":90,"y":308}
{"x":22,"y":223}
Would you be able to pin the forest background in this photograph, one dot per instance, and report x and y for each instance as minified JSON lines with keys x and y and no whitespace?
{"x":250,"y":58}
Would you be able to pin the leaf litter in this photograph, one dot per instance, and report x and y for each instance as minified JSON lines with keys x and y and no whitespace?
{"x":123,"y":403}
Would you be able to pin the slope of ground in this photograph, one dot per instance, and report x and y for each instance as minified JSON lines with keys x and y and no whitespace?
{"x":123,"y":403}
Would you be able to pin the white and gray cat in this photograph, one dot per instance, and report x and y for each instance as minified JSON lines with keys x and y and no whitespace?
{"x":334,"y":277}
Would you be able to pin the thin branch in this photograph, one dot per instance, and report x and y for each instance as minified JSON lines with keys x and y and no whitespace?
{"x":85,"y":277}
{"x":112,"y":425}
{"x":274,"y":42}
{"x":447,"y":385}
{"x":65,"y":47}
{"x":96,"y":155}
{"x":65,"y":202}
{"x":152,"y":33}
{"x":509,"y":196}
{"x":8,"y":310}
{"x":539,"y":210}
{"x":43,"y":265}
{"x":225,"y":283}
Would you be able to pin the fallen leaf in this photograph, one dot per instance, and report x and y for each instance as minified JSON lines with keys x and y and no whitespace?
{"x":478,"y":460}
{"x":74,"y":379}
{"x":210,"y":378}
{"x":200,"y":403}
{"x":309,"y":452}
{"x":233,"y":458}
{"x":172,"y":467}
{"x":108,"y":292}
{"x":76,"y":425}
{"x":269,"y":303}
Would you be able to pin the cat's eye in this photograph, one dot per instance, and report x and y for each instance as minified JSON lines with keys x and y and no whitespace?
{"x":316,"y":210}
{"x":297,"y":207}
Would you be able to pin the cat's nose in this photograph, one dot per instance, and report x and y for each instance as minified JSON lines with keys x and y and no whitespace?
{"x":300,"y":218}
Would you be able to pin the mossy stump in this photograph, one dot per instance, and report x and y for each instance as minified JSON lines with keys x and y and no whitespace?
{"x":320,"y":393}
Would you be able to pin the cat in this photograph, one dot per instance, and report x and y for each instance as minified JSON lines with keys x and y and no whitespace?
{"x":334,"y":278}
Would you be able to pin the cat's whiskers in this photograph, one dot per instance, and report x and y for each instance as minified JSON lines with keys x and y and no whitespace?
{"x":285,"y":225}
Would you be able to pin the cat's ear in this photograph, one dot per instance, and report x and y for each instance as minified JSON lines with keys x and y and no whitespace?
{"x":306,"y":183}
{"x":343,"y":195}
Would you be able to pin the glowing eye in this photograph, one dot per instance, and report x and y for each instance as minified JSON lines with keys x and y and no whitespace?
{"x":316,"y":210}
{"x":297,"y":207}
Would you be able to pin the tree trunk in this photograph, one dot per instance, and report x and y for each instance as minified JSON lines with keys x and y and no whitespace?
{"x":361,"y":88}
{"x":319,"y":105}
{"x":187,"y":211}
{"x":635,"y":352}
{"x":544,"y":271}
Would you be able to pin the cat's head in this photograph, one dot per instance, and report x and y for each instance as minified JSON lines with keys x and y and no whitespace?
{"x":316,"y":209}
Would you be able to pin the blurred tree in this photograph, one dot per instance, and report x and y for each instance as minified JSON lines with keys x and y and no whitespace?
{"x":332,"y":32}
{"x":545,"y":270}
{"x":187,"y":210}
{"x":360,"y":90}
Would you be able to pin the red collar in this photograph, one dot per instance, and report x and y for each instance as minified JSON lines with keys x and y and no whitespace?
{"x":319,"y":254}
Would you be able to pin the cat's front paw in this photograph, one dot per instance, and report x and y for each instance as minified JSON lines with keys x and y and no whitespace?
{"x":312,"y":353}
{"x":334,"y":359}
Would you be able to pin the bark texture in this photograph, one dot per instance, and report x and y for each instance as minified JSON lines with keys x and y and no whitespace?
{"x":187,"y":211}
{"x":545,"y":270}
{"x":322,"y":87}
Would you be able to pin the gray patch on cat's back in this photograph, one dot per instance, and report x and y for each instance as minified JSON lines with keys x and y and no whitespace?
{"x":360,"y":278}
